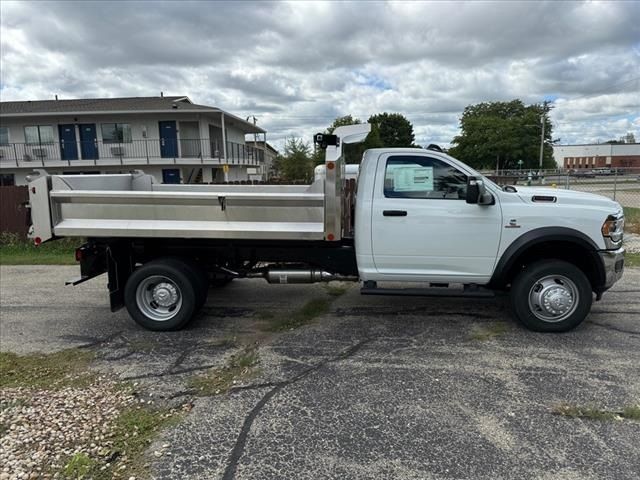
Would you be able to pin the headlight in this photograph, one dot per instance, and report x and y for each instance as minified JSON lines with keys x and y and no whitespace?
{"x":613,"y":231}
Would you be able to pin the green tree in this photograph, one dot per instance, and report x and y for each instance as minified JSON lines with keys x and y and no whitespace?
{"x":628,"y":138}
{"x":296,"y":162}
{"x":342,"y":121}
{"x":387,"y":130}
{"x":500,"y":134}
{"x":392,"y":130}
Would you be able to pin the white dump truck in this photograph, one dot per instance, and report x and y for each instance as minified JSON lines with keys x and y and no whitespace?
{"x":418,"y":222}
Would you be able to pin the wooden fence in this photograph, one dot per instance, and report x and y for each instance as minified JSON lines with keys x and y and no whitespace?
{"x":14,"y":215}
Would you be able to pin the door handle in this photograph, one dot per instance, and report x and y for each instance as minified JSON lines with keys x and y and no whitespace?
{"x":394,"y":213}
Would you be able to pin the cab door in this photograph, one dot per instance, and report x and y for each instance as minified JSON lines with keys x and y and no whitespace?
{"x":422,"y":227}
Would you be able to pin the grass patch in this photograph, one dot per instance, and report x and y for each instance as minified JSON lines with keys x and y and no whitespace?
{"x":80,"y":466}
{"x":52,"y":371}
{"x":312,"y":309}
{"x":16,"y":251}
{"x":240,"y":366}
{"x":632,"y":219}
{"x":631,"y":259}
{"x":488,"y":332}
{"x":631,"y":412}
{"x":227,"y":341}
{"x":336,"y":290}
{"x":134,"y":430}
{"x":142,"y":346}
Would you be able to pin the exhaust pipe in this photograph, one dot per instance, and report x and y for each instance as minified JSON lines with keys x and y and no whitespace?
{"x":300,"y":276}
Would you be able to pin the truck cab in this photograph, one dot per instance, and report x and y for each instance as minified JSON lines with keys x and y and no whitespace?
{"x":417,"y":221}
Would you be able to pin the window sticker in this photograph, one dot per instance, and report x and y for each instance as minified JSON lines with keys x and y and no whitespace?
{"x":412,"y":178}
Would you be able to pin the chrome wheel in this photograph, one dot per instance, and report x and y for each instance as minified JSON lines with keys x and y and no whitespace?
{"x":158,"y":298}
{"x":553,"y":298}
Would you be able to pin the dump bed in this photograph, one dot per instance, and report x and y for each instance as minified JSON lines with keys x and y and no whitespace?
{"x":134,"y":205}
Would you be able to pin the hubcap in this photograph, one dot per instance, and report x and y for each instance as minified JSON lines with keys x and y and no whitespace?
{"x":553,"y":298}
{"x":165,"y":294}
{"x":158,"y":298}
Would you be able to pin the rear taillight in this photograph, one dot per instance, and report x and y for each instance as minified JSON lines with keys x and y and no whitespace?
{"x":79,"y":254}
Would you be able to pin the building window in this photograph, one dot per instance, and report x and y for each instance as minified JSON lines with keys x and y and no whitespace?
{"x":7,"y":180}
{"x":116,"y":133}
{"x":38,"y":134}
{"x":4,"y":135}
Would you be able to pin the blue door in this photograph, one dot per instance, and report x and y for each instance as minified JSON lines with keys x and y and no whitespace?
{"x":68,"y":146}
{"x":170,"y":175}
{"x":88,"y":141}
{"x":168,"y":139}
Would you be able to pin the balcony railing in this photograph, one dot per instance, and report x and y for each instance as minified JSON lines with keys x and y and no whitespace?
{"x":147,"y":151}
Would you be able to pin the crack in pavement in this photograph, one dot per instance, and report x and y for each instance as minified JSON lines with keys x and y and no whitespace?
{"x":241,"y":441}
{"x":614,"y":328}
{"x":168,"y":373}
{"x":92,"y":341}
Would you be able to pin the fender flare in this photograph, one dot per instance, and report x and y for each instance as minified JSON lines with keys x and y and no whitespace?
{"x":542,"y":235}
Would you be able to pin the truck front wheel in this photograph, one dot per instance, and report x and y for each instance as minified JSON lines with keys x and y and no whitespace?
{"x":162,"y":295}
{"x":551,"y":296}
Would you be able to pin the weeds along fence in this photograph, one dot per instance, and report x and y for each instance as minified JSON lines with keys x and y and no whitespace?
{"x":14,"y":214}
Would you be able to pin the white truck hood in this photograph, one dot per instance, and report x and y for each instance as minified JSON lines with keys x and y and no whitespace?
{"x":566,"y":197}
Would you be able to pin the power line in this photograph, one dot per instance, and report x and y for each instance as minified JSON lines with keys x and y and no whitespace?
{"x":600,"y":92}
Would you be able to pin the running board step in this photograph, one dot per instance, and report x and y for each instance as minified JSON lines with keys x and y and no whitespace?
{"x":429,"y":292}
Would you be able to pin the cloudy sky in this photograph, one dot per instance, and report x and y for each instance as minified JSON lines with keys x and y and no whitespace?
{"x":298,"y":65}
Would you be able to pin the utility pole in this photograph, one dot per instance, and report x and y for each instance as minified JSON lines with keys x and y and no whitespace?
{"x":541,"y":141}
{"x":255,"y":142}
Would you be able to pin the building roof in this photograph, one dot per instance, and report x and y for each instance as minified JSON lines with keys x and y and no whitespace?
{"x":119,"y":105}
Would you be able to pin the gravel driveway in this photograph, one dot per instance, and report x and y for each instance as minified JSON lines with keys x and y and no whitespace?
{"x":380,"y":387}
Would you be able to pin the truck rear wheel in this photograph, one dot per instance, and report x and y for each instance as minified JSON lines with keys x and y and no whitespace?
{"x":162,"y":295}
{"x":201,"y":281}
{"x":551,"y":296}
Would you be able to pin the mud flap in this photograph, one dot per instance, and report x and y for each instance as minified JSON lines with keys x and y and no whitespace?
{"x":119,"y":266}
{"x":92,"y":260}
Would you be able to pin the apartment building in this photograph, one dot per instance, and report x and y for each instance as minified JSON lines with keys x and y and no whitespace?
{"x":171,"y":138}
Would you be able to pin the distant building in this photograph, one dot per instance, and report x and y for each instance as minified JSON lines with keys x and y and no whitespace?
{"x":169,"y":137}
{"x":600,"y":155}
{"x":270,"y":155}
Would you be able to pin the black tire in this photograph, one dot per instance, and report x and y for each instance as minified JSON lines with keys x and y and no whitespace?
{"x":170,"y":272}
{"x":201,"y":281}
{"x":565,"y":304}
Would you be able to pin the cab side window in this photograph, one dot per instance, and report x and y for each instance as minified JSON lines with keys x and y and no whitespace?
{"x":409,"y":176}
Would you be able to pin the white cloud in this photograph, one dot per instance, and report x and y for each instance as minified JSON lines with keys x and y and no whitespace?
{"x":298,"y":65}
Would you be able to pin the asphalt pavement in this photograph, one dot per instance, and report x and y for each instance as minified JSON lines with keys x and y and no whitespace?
{"x":380,"y":387}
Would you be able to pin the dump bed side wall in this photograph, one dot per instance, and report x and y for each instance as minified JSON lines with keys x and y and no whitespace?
{"x":132,"y":206}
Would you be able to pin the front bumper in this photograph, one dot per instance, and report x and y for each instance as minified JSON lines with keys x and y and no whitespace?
{"x":613,"y":261}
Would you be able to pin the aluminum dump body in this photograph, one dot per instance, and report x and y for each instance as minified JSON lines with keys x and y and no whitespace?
{"x":133,"y":205}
